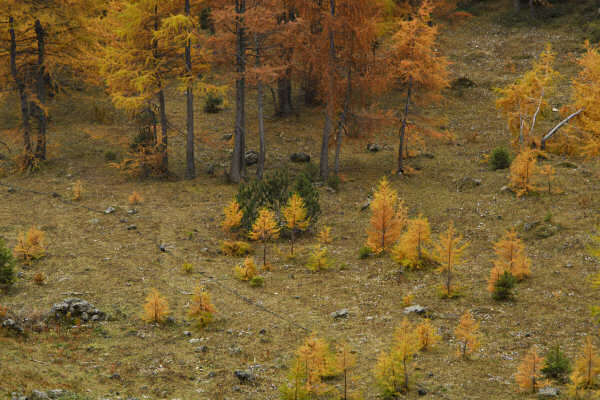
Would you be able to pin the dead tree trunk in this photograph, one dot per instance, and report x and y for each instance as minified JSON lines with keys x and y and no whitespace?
{"x":330,"y":107}
{"x":40,"y":150}
{"x":403,"y":130}
{"x":554,"y":130}
{"x":237,"y":169}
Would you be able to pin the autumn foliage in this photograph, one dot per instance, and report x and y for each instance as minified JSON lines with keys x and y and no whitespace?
{"x":388,"y":217}
{"x":30,"y":246}
{"x":467,"y":335}
{"x":529,"y":372}
{"x":524,"y":171}
{"x":233,"y":217}
{"x":448,"y":252}
{"x":586,"y":370}
{"x":410,"y":250}
{"x":510,"y":257}
{"x":295,"y":217}
{"x":265,"y":229}
{"x":201,"y":308}
{"x":156,"y":307}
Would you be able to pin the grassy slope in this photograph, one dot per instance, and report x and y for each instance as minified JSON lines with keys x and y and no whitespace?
{"x":114,"y":268}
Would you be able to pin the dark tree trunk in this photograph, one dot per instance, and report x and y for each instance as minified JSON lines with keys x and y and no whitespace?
{"x":190,"y":171}
{"x":20,"y":83}
{"x":284,"y":95}
{"x":517,"y":5}
{"x":310,"y":89}
{"x":403,"y":130}
{"x":339,"y":135}
{"x":261,"y":119}
{"x":40,"y":150}
{"x":163,"y":146}
{"x":237,"y":160}
{"x":329,"y":108}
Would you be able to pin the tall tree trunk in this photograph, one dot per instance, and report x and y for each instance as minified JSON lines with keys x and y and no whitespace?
{"x":284,"y":95}
{"x":190,"y":171}
{"x":517,"y":5}
{"x":330,"y":107}
{"x":237,"y":160}
{"x":261,"y":119}
{"x":163,"y":146}
{"x":20,"y":83}
{"x":40,"y":150}
{"x":344,"y":116}
{"x":403,"y":130}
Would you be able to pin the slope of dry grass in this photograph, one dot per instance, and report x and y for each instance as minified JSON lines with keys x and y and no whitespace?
{"x":95,"y":256}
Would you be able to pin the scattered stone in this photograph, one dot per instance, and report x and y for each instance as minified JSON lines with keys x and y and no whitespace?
{"x":227,"y":137}
{"x":162,"y":247}
{"x":133,"y":211}
{"x":506,"y":189}
{"x":235,"y":350}
{"x":194,"y":340}
{"x":366,"y":204}
{"x":373,"y":147}
{"x":11,"y":190}
{"x":123,"y":220}
{"x":251,"y":157}
{"x":38,"y":395}
{"x":527,"y":226}
{"x":417,"y":309}
{"x":263,"y":331}
{"x":187,"y":333}
{"x":110,"y":210}
{"x":56,"y":393}
{"x":467,"y":183}
{"x":76,"y":308}
{"x":569,"y":265}
{"x":131,"y":228}
{"x":549,"y":391}
{"x":245,"y":376}
{"x":300,"y":157}
{"x":13,"y":326}
{"x":201,"y":349}
{"x":115,"y":376}
{"x":343,"y":313}
{"x":421,"y":392}
{"x":211,"y":374}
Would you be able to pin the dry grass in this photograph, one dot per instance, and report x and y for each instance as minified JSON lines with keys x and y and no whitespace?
{"x":96,"y":257}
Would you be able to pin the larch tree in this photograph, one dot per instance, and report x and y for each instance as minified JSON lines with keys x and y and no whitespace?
{"x":156,"y":307}
{"x":587,"y":367}
{"x":529,"y":372}
{"x":233,"y":217}
{"x":467,"y":335}
{"x":510,"y":257}
{"x":448,"y":252}
{"x":524,"y":102}
{"x":524,"y":171}
{"x":41,"y":43}
{"x":417,"y":65}
{"x":265,"y":229}
{"x":388,"y":218}
{"x":295,"y":217}
{"x":410,"y":249}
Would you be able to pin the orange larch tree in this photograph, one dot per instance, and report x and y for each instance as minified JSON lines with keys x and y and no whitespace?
{"x":467,"y":334}
{"x":265,"y":229}
{"x":388,"y":218}
{"x":529,"y":371}
{"x":417,"y":65}
{"x":510,"y":257}
{"x":448,"y":252}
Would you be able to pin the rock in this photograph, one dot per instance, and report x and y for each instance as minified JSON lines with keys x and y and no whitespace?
{"x":373,"y":147}
{"x":115,"y":376}
{"x":467,"y":183}
{"x":527,"y":226}
{"x":462,"y":83}
{"x":11,"y":190}
{"x":548,"y":391}
{"x":187,"y":333}
{"x":245,"y":376}
{"x":263,"y":331}
{"x":211,"y":374}
{"x":343,"y":313}
{"x":567,"y":164}
{"x":162,"y":247}
{"x":417,"y":309}
{"x":110,"y":210}
{"x":76,"y":308}
{"x":545,"y":231}
{"x":227,"y":137}
{"x":133,"y":211}
{"x":194,"y":341}
{"x":94,"y":221}
{"x":421,"y":392}
{"x":13,"y":326}
{"x":300,"y":157}
{"x":201,"y":349}
{"x":568,"y":265}
{"x":131,"y":228}
{"x":506,"y":189}
{"x":210,"y":169}
{"x":56,"y":393}
{"x":251,"y":157}
{"x":366,"y":204}
{"x":38,"y":395}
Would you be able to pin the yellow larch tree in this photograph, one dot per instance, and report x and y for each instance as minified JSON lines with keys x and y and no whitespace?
{"x":448,"y":252}
{"x":233,"y":217}
{"x":346,"y":361}
{"x":467,"y":335}
{"x":525,"y":101}
{"x":388,"y":218}
{"x":529,"y":371}
{"x":427,"y":336}
{"x":524,"y":171}
{"x":156,"y":307}
{"x":510,"y":257}
{"x":201,"y":308}
{"x":392,"y":371}
{"x":324,"y":235}
{"x":587,"y":367}
{"x":411,"y":247}
{"x":246,"y":271}
{"x":265,"y":229}
{"x":31,"y":245}
{"x":294,"y":214}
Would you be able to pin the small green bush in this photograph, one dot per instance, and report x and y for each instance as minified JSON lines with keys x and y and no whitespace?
{"x":311,"y":171}
{"x":257,"y":281}
{"x":364,"y":252}
{"x":504,"y":286}
{"x":500,"y":158}
{"x":556,"y":365}
{"x":213,"y":103}
{"x":7,"y":265}
{"x":110,"y":156}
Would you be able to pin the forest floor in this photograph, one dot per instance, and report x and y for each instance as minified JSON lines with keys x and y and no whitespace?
{"x":94,"y":256}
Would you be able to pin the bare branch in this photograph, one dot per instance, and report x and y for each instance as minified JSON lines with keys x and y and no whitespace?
{"x":558,"y":126}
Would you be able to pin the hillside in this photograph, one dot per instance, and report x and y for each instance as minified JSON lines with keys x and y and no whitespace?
{"x":113,"y":260}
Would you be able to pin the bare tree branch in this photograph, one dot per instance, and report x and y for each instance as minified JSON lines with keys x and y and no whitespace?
{"x":558,"y":126}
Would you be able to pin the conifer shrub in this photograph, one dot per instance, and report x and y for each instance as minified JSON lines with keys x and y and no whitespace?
{"x":201,"y":309}
{"x":273,"y":192}
{"x":503,"y":287}
{"x":187,"y":268}
{"x":257,"y":281}
{"x":319,"y":260}
{"x":556,"y":366}
{"x":213,"y":103}
{"x":7,"y":265}
{"x":499,"y":158}
{"x":364,"y":252}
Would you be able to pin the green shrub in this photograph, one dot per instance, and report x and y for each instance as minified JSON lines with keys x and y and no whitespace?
{"x":213,"y":103}
{"x":273,"y":192}
{"x":504,"y":286}
{"x":500,"y":158}
{"x":364,"y":252}
{"x":7,"y":265}
{"x":257,"y":281}
{"x":311,"y":171}
{"x":556,"y":365}
{"x":110,"y":156}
